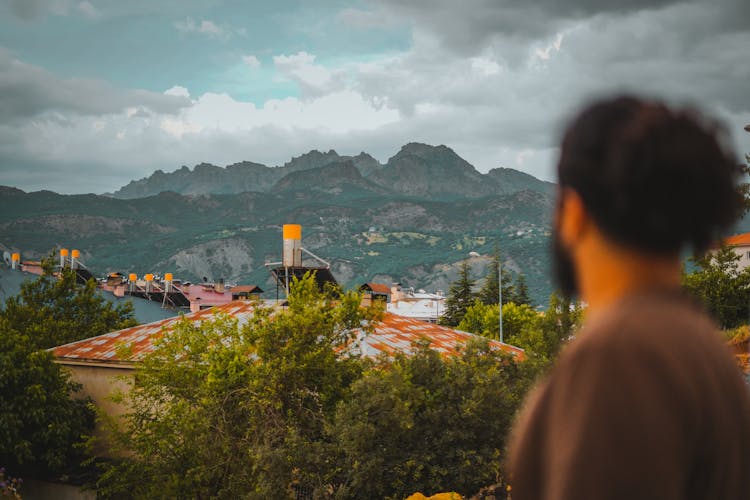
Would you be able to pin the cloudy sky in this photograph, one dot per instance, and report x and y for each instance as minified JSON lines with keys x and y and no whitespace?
{"x":96,"y":93}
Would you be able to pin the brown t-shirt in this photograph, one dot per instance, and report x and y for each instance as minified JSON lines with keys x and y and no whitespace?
{"x":646,"y":403}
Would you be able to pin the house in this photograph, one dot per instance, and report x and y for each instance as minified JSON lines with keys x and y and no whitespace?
{"x":372,"y":292}
{"x":740,"y":244}
{"x":246,"y":292}
{"x":98,"y":364}
{"x":418,"y":305}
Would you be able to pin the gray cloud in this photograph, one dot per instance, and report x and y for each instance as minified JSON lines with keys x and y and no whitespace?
{"x":468,"y":27}
{"x":27,"y":91}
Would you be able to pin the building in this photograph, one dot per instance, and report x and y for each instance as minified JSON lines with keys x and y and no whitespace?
{"x":740,"y":244}
{"x":246,"y":292}
{"x":98,"y":364}
{"x":372,"y":292}
{"x":418,"y":305}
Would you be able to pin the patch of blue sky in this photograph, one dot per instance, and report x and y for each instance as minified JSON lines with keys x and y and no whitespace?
{"x":145,"y":48}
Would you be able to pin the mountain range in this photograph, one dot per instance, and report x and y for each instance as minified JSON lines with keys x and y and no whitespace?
{"x":417,"y":170}
{"x":411,"y":220}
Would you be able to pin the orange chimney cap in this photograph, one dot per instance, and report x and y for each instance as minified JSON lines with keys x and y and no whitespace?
{"x":292,"y":232}
{"x":132,"y":277}
{"x":15,"y":256}
{"x":75,"y":254}
{"x":64,"y":252}
{"x":149,"y":277}
{"x":168,"y":276}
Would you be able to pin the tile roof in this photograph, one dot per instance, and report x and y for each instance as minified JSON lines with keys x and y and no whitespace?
{"x":378,"y":288}
{"x":393,"y":333}
{"x":246,"y":289}
{"x":738,"y":240}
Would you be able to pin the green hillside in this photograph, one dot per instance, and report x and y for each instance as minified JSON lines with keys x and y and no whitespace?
{"x":366,"y":229}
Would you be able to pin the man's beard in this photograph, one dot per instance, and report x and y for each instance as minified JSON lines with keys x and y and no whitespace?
{"x":563,"y":268}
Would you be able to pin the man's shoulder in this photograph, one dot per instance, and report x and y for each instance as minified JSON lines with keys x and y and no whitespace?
{"x":656,"y":319}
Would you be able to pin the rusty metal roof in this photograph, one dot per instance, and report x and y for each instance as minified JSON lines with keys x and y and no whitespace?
{"x":394,"y":333}
{"x":398,"y":333}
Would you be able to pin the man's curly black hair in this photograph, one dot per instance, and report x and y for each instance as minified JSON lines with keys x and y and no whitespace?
{"x":654,"y":179}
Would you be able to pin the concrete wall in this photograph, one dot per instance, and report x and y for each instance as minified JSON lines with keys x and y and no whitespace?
{"x":33,"y":489}
{"x":744,"y":254}
{"x":99,"y":383}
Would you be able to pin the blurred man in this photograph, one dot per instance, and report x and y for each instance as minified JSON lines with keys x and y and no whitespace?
{"x":646,"y":402}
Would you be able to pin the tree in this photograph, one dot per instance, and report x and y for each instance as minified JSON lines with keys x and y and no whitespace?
{"x":744,"y":187}
{"x":514,"y":291}
{"x":722,"y":287}
{"x":460,"y":296}
{"x":279,"y":408}
{"x":490,"y":292}
{"x":478,"y":319}
{"x":41,"y":427}
{"x":540,"y":335}
{"x":425,"y":423}
{"x":522,"y":291}
{"x":228,"y":410}
{"x":484,"y":320}
{"x":54,"y":310}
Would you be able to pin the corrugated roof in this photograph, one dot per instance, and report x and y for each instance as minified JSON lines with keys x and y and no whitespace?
{"x":140,"y":338}
{"x":394,"y":333}
{"x":738,"y":240}
{"x":398,"y":333}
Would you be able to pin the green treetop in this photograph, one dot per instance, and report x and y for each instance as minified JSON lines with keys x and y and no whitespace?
{"x":54,"y":310}
{"x":460,"y":296}
{"x":722,"y":287}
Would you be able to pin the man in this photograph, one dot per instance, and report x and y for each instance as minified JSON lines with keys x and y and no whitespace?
{"x":646,"y":402}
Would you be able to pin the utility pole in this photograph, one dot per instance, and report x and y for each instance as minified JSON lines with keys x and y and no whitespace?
{"x":500,"y":291}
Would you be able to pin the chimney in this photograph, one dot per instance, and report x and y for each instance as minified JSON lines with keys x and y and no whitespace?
{"x":132,"y":281}
{"x":219,"y":286}
{"x":168,"y":282}
{"x":74,"y":256}
{"x":292,"y":252}
{"x":15,"y":260}
{"x":149,"y":282}
{"x":63,"y":256}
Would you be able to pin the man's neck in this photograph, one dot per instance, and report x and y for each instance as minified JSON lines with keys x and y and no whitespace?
{"x":609,"y":275}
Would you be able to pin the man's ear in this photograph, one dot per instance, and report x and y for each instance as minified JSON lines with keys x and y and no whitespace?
{"x":572,"y":218}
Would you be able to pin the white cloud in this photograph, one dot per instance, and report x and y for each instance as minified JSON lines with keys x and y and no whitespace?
{"x":203,"y":27}
{"x":177,"y":91}
{"x":88,"y":9}
{"x":301,"y":67}
{"x":485,"y":65}
{"x":338,"y":112}
{"x":544,"y":53}
{"x":251,"y":61}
